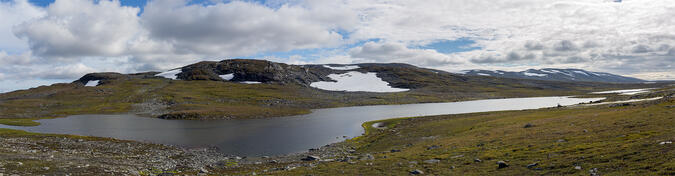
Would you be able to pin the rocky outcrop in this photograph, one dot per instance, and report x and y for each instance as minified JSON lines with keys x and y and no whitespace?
{"x":255,"y":70}
{"x":106,"y":77}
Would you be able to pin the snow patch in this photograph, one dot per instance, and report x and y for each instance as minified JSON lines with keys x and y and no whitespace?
{"x":348,"y":67}
{"x":250,"y":82}
{"x":171,"y":74}
{"x":356,"y":81}
{"x":550,"y":71}
{"x":624,"y":92}
{"x":227,"y":76}
{"x":92,"y":83}
{"x":461,"y":71}
{"x":483,"y":74}
{"x":580,"y":72}
{"x":534,"y":74}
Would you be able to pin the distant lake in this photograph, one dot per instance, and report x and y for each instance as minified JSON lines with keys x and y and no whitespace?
{"x":273,"y":136}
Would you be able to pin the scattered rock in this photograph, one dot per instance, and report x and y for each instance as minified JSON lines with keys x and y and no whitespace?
{"x":562,"y":140}
{"x":528,"y":125}
{"x":593,"y":171}
{"x":395,"y":150}
{"x":433,"y":147}
{"x":665,"y":142}
{"x":45,"y":168}
{"x":585,"y":131}
{"x":368,"y":156}
{"x":416,"y":172}
{"x":530,"y":166}
{"x":432,"y":161}
{"x":457,"y":156}
{"x":311,"y":158}
{"x":477,"y":160}
{"x":502,"y":164}
{"x":577,"y":167}
{"x":203,"y":170}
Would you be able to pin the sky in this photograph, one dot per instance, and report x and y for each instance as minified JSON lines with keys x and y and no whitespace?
{"x":51,"y":41}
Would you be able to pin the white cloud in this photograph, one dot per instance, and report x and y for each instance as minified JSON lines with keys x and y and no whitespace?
{"x":75,"y":28}
{"x":11,"y":14}
{"x":239,"y":28}
{"x":397,"y":52}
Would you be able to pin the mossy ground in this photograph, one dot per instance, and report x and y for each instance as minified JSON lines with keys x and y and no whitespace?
{"x":19,"y":122}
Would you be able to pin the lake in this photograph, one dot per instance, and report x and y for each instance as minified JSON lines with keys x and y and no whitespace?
{"x":273,"y":136}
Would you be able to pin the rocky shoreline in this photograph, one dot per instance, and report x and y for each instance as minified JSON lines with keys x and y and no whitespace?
{"x":25,"y":153}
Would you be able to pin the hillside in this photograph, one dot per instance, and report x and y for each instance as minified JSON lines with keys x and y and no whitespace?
{"x":553,"y":74}
{"x":244,"y":88}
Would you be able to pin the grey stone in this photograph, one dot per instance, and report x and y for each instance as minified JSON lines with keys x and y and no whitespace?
{"x":530,"y":166}
{"x":416,"y":172}
{"x":203,"y":170}
{"x":502,"y":164}
{"x":432,"y":161}
{"x":311,"y":158}
{"x":433,"y":147}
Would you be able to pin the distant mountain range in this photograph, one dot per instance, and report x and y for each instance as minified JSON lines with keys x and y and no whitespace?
{"x":554,"y":74}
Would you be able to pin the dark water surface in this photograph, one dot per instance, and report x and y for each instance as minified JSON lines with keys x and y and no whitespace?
{"x":274,"y":136}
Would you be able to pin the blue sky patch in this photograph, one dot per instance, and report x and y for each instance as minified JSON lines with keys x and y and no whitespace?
{"x":452,"y":46}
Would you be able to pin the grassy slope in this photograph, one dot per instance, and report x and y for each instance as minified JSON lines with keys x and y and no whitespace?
{"x":616,"y":140}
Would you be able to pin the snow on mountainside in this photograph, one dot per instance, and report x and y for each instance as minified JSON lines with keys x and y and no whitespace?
{"x":553,"y":74}
{"x":356,"y":81}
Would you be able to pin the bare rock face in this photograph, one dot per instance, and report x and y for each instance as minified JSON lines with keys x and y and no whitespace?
{"x":106,"y":77}
{"x":255,"y":70}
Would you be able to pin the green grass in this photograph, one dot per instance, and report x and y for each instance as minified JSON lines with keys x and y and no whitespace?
{"x":19,"y":122}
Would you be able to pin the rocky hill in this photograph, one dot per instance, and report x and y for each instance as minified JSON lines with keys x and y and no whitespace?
{"x":554,"y":74}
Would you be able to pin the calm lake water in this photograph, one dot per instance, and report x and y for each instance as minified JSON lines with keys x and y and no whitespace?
{"x":275,"y":136}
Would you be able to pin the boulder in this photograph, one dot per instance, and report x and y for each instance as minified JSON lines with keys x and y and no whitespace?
{"x":416,"y":172}
{"x":432,"y":161}
{"x":311,"y":158}
{"x":530,"y":166}
{"x":502,"y":164}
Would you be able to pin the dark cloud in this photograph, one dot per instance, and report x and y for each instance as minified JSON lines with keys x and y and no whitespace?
{"x":532,"y":45}
{"x":565,"y":46}
{"x":641,"y":49}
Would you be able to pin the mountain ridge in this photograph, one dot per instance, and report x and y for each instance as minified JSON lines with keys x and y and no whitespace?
{"x":556,"y":74}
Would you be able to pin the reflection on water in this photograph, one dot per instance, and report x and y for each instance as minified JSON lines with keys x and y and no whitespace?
{"x":274,"y":136}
